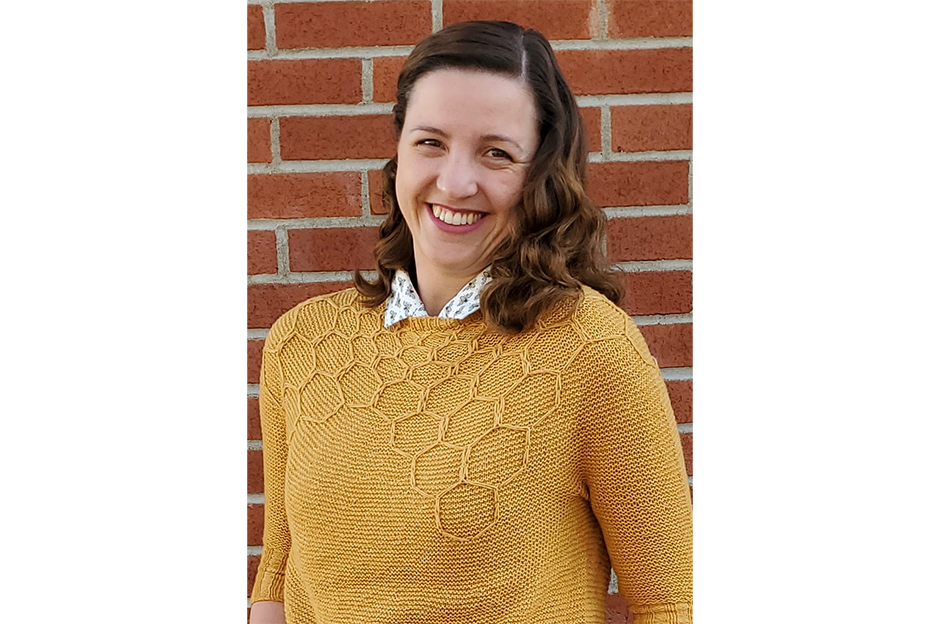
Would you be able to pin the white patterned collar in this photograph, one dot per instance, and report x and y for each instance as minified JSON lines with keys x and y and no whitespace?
{"x":404,"y":301}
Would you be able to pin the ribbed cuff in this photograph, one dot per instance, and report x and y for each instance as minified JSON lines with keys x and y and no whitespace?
{"x":662,"y":614}
{"x":269,"y":582}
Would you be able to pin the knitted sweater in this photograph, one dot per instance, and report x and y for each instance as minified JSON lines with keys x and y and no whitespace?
{"x":439,"y":472}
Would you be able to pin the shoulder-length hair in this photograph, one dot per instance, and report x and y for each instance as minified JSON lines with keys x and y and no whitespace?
{"x":555,"y":242}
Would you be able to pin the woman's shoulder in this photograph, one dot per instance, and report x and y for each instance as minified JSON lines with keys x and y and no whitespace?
{"x":314,"y":318}
{"x":599,"y":319}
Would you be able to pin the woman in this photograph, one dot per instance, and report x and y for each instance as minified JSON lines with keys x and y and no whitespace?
{"x":478,"y":434}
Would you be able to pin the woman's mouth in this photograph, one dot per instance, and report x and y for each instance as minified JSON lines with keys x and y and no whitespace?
{"x":454,"y":217}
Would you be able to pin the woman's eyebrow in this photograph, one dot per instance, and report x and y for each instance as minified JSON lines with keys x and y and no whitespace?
{"x":486,"y":137}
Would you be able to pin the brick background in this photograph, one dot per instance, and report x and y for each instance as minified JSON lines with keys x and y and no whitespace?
{"x":360,"y":136}
{"x":315,"y":131}
{"x":259,"y":140}
{"x":304,"y":81}
{"x":255,"y":27}
{"x":304,"y":195}
{"x":648,"y":128}
{"x":340,"y":24}
{"x":558,"y":19}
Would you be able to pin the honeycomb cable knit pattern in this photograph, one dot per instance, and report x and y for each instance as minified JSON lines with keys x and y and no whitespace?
{"x":439,"y":472}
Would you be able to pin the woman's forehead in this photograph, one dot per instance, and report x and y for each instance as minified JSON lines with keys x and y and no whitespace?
{"x":486,"y":103}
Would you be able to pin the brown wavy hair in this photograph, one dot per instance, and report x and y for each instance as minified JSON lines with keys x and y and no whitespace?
{"x":555,"y":242}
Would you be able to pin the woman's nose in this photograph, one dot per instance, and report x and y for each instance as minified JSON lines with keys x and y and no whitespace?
{"x":457,"y":177}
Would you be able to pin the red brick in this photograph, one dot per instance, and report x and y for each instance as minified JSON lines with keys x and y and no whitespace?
{"x":359,"y":136}
{"x":657,"y":292}
{"x":303,"y":195}
{"x":262,"y":252}
{"x":340,"y":24}
{"x":558,"y":19}
{"x":680,"y":394}
{"x":254,"y":419}
{"x":686,"y":439}
{"x":254,"y":360}
{"x":385,"y":70}
{"x":375,"y":192}
{"x":617,"y":610}
{"x":649,"y":18}
{"x":619,"y":184}
{"x":592,"y":126}
{"x":266,"y":302}
{"x":305,"y":81}
{"x":601,"y":72}
{"x":647,"y":128}
{"x":332,"y":249}
{"x":671,"y":345}
{"x":255,"y":524}
{"x":255,"y":27}
{"x":650,"y":238}
{"x":259,"y":140}
{"x":255,"y":472}
{"x":253,"y":561}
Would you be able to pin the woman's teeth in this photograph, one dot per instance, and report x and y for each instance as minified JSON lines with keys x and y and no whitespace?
{"x":455,"y":218}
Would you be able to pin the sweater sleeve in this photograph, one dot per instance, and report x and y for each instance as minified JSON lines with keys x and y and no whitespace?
{"x":635,"y":476}
{"x":269,"y":582}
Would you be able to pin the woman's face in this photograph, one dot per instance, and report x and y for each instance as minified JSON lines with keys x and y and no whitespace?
{"x":466,"y":142}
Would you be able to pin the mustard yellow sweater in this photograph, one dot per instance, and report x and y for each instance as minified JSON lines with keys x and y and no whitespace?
{"x":438,"y":472}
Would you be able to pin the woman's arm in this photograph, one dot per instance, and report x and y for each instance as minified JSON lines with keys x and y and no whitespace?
{"x":269,"y":581}
{"x":267,"y":612}
{"x":635,"y":475}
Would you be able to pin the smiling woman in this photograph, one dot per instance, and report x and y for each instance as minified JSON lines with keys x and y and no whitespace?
{"x":467,"y":140}
{"x":480,"y":433}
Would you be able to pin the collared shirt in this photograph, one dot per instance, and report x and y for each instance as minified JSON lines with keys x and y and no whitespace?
{"x":404,"y":301}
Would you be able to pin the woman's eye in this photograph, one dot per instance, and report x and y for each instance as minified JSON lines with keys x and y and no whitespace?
{"x":430,"y":142}
{"x":498,"y":153}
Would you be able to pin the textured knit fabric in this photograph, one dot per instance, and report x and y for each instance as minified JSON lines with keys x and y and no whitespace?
{"x":405,"y":301}
{"x":439,"y":472}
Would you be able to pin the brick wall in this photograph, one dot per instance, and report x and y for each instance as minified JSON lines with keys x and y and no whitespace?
{"x":321,"y":80}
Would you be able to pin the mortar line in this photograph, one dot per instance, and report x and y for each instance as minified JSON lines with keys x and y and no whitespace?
{"x":304,"y":277}
{"x":254,"y":445}
{"x":275,"y":142}
{"x":364,"y":193}
{"x":316,"y":223}
{"x":662,"y":319}
{"x":605,"y":131}
{"x":302,"y":54}
{"x":639,"y":43}
{"x":367,"y":81}
{"x":253,"y":391}
{"x":627,"y":212}
{"x":257,"y":334}
{"x":317,"y":166}
{"x":437,"y":15}
{"x":602,"y":15}
{"x":635,"y":99}
{"x":321,"y":110}
{"x":254,"y":551}
{"x":256,"y":499}
{"x":653,"y":156}
{"x":678,"y":373}
{"x":644,"y":266}
{"x":283,"y":252}
{"x":684,"y":427}
{"x":270,"y":38}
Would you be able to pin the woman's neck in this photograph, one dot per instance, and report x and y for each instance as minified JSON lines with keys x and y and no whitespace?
{"x":436,"y":287}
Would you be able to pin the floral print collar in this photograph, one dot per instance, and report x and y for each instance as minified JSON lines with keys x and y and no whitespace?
{"x":404,"y":301}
